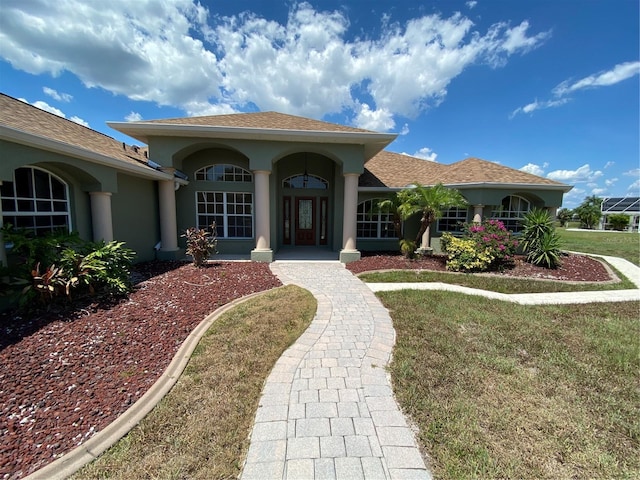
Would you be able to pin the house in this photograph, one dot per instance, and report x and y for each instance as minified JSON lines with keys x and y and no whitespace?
{"x":629,"y":206}
{"x":268,"y":180}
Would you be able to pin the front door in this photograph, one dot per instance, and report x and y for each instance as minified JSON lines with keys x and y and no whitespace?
{"x":305,"y":221}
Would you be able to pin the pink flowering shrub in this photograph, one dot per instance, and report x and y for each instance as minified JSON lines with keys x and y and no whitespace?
{"x":484,"y":246}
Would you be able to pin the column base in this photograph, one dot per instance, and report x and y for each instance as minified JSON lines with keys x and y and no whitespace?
{"x":347,"y":256}
{"x":262,"y":255}
{"x":167,"y":255}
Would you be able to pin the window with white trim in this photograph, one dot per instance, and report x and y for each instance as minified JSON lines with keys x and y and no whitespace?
{"x":232,"y":213}
{"x":224,"y":173}
{"x":373,"y":223}
{"x":452,"y":219}
{"x":512,"y":211}
{"x":36,"y":200}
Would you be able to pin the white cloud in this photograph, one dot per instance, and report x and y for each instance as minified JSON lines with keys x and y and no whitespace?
{"x":598,"y":191}
{"x":609,"y":164}
{"x":48,"y":108}
{"x":635,"y":187}
{"x":56,"y":111}
{"x":177,"y":53}
{"x":80,"y":121}
{"x":61,"y":97}
{"x":377,"y":120}
{"x":536,"y":105}
{"x":633,"y":173}
{"x":133,"y":117}
{"x":471,"y":4}
{"x":405,"y":129}
{"x":426,"y":154}
{"x":610,"y":182}
{"x":534,"y":169}
{"x":583,"y":174}
{"x":617,"y":74}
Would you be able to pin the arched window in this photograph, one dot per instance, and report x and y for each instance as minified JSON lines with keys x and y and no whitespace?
{"x":305,"y":181}
{"x":373,"y":223}
{"x":224,"y":173}
{"x":36,"y":200}
{"x":511,"y":212}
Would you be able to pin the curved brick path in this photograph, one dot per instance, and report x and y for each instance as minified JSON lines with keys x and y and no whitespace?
{"x":327,"y":409}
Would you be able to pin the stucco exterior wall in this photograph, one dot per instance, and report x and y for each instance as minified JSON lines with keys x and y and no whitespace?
{"x":136,"y":222}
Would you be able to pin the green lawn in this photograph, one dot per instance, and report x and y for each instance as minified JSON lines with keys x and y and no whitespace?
{"x":617,"y":244}
{"x":506,"y":391}
{"x":492,"y":283}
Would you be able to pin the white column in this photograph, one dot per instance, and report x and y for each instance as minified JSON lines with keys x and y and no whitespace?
{"x":101,"y":220}
{"x":553,"y":211}
{"x":349,"y":220}
{"x":168,"y":223}
{"x":3,"y":252}
{"x":261,"y":202}
{"x":477,"y":213}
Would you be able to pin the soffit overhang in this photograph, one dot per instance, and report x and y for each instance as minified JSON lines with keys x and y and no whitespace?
{"x":372,"y":142}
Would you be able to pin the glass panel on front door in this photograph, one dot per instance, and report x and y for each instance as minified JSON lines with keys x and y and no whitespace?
{"x":305,"y":221}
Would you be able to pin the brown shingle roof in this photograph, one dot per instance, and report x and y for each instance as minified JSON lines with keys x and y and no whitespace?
{"x":397,"y":171}
{"x":262,"y":120}
{"x":26,"y":118}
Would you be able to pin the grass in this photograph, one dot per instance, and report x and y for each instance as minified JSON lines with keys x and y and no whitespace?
{"x":506,"y":391}
{"x":617,"y":244}
{"x":200,"y":430}
{"x":492,"y":283}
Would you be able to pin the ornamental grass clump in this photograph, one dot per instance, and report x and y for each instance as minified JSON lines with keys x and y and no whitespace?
{"x":484,"y":246}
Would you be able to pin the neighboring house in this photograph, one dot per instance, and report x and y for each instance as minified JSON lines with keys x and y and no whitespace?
{"x":629,"y":206}
{"x":268,"y":180}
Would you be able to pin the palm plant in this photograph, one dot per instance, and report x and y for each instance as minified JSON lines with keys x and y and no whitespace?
{"x":430,"y":202}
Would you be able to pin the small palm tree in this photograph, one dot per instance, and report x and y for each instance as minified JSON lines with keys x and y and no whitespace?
{"x":430,"y":202}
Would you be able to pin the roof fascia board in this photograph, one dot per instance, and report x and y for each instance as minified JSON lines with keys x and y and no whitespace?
{"x":55,"y":146}
{"x":537,"y":186}
{"x":142,"y":131}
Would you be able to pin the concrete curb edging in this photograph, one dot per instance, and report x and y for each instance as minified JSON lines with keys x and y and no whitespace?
{"x":77,"y":458}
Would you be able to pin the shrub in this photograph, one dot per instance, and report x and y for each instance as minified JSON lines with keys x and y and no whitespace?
{"x":618,"y":221}
{"x":408,"y":248}
{"x":463,"y":254}
{"x":201,"y":244}
{"x":540,"y":241}
{"x":62,"y":265}
{"x":485,"y":246}
{"x":546,"y":251}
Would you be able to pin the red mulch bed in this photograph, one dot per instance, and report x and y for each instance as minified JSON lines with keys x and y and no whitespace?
{"x":66,"y":375}
{"x":574,"y":268}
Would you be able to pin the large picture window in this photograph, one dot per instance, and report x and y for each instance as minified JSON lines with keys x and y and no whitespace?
{"x":452,"y":220}
{"x":231,"y":211}
{"x":372,"y":223}
{"x":511,"y":212}
{"x":36,"y":200}
{"x":224,"y":173}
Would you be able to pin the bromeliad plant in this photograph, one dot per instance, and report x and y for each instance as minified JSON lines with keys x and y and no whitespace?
{"x":201,"y":244}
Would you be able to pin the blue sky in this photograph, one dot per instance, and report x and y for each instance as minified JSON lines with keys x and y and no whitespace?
{"x":547,"y":86}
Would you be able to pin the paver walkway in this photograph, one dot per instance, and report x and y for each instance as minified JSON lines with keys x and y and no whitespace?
{"x":327,"y":409}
